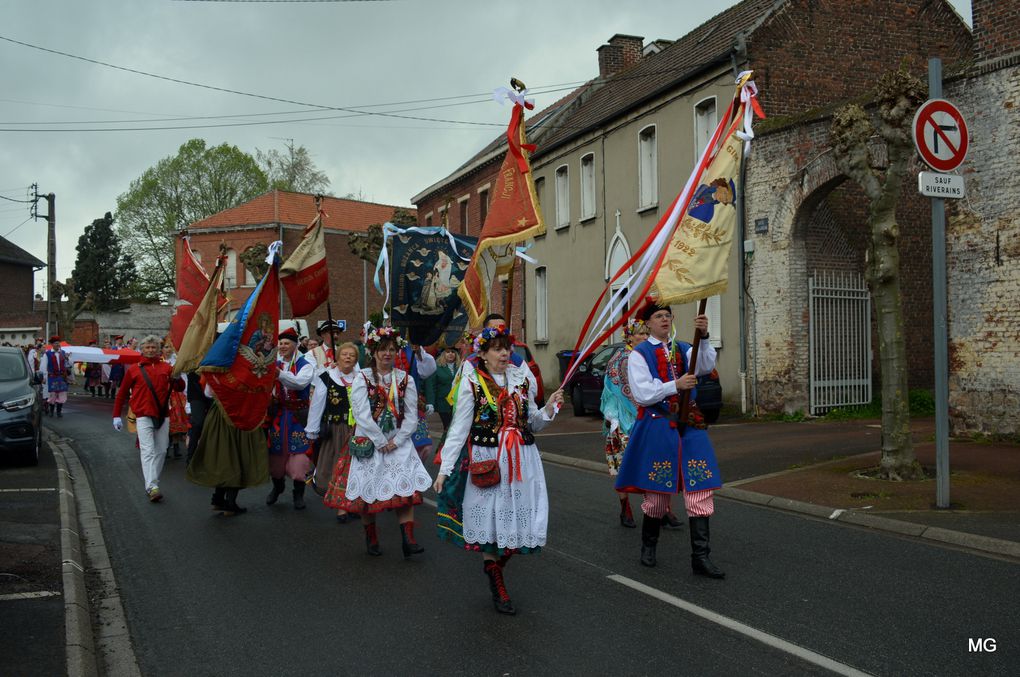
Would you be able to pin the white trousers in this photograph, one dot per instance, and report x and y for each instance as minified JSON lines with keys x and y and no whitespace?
{"x":152,"y":444}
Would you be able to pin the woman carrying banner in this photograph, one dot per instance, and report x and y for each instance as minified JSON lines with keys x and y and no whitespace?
{"x":385,"y":472}
{"x":504,"y":509}
{"x":331,"y":422}
{"x":179,"y":424}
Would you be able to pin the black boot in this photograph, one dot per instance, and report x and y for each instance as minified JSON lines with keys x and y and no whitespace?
{"x":626,"y":516}
{"x":219,"y":501}
{"x":649,"y":539}
{"x":299,"y":495}
{"x":60,"y":410}
{"x":671,"y":521}
{"x":278,"y":486}
{"x":500,"y":597}
{"x":700,"y":562}
{"x":408,"y":544}
{"x":230,"y":506}
{"x":177,"y":449}
{"x":372,"y":540}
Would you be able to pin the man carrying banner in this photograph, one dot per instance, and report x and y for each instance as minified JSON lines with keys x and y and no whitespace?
{"x":288,"y":415}
{"x":665,"y":455}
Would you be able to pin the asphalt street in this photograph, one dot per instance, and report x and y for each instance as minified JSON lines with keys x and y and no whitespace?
{"x":282,"y":592}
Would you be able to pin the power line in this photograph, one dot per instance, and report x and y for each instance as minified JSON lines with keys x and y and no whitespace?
{"x":11,"y":199}
{"x":8,"y":234}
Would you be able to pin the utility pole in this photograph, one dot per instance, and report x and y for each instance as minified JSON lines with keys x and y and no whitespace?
{"x":51,"y":251}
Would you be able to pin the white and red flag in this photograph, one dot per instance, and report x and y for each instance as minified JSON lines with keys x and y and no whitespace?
{"x":192,"y":281}
{"x":304,"y":274}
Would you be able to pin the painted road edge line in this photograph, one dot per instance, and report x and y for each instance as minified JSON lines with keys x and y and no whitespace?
{"x":746,"y":630}
{"x":28,"y":595}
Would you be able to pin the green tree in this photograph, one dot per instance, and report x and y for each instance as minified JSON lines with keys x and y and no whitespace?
{"x":292,"y":170}
{"x":103,"y":274}
{"x":196,"y":183}
{"x":853,"y":129}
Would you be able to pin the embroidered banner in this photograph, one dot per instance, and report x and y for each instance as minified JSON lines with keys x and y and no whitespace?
{"x":304,"y":273}
{"x":191,"y":284}
{"x":201,"y":333}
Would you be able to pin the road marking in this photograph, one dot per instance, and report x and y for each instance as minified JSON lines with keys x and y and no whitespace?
{"x":579,"y":432}
{"x":28,"y":595}
{"x":746,"y":630}
{"x":27,"y":489}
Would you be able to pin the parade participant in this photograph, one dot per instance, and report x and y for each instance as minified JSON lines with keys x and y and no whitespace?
{"x":147,"y":385}
{"x":289,"y":448}
{"x":327,"y":332}
{"x":664,"y":455}
{"x":311,"y":344}
{"x":386,"y":472}
{"x":93,"y":374}
{"x":446,"y":372}
{"x":420,"y":365}
{"x":116,"y":368}
{"x":198,"y":407}
{"x":179,"y":423}
{"x":331,"y":422}
{"x":504,"y":509}
{"x":618,"y":408}
{"x":56,"y":367}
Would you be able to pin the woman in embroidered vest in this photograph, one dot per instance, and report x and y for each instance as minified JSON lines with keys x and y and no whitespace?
{"x":504,"y":509}
{"x":619,"y":409}
{"x":386,"y":472}
{"x":663,"y":456}
{"x":331,"y":422}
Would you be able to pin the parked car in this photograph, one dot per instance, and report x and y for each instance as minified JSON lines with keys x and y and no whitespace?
{"x":585,"y":386}
{"x":524,"y":352}
{"x":20,"y":407}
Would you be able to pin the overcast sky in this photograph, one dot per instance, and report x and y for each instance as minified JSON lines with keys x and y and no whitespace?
{"x":340,"y":54}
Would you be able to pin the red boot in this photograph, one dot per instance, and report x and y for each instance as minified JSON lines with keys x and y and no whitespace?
{"x":408,"y":544}
{"x":500,"y":597}
{"x":372,"y":540}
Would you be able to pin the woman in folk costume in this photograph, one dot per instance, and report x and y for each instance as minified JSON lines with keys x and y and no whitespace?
{"x":331,"y":422}
{"x":619,"y":409}
{"x":179,"y":409}
{"x":664,"y":455}
{"x":385,"y":472}
{"x":504,"y":508}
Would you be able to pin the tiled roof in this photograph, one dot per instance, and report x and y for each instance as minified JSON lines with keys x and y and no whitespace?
{"x":12,"y":253}
{"x":660,"y":72}
{"x":299,"y":209}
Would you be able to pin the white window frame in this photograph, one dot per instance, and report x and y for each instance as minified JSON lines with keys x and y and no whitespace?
{"x":713,"y":311}
{"x":541,"y":304}
{"x":562,"y":196}
{"x":703,"y":135}
{"x":463,"y":207}
{"x":588,"y":206}
{"x":539,"y":194}
{"x":648,"y":168}
{"x":230,"y":272}
{"x":249,"y":278}
{"x":484,"y":193}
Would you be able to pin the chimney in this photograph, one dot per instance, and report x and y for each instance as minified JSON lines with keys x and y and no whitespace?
{"x":996,"y":29}
{"x":622,"y":52}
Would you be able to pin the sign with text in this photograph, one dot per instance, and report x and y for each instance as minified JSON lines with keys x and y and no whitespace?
{"x":936,"y":184}
{"x":940,"y":135}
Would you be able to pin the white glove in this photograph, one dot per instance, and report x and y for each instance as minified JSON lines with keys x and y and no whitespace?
{"x":429,"y":409}
{"x":118,"y":424}
{"x":311,"y":436}
{"x":187,"y":408}
{"x":613,"y":425}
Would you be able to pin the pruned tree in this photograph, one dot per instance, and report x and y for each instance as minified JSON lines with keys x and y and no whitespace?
{"x":103,"y":274}
{"x":367,"y":245}
{"x":853,"y":134}
{"x":196,"y":183}
{"x":292,"y":170}
{"x":254,"y":259}
{"x":66,"y":312}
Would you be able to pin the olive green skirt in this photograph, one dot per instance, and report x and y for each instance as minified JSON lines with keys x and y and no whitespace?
{"x":228,"y":457}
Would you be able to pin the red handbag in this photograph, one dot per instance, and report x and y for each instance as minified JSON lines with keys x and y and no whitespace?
{"x":483,"y":473}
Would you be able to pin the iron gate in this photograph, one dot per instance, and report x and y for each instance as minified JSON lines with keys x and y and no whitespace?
{"x":840,"y":343}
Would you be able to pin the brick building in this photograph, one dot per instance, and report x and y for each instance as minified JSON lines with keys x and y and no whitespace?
{"x":282,"y":215}
{"x":20,"y":322}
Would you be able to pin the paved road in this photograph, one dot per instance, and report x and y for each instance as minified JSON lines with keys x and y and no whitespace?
{"x":286,"y":593}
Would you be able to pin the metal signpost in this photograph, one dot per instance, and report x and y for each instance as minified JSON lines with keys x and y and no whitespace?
{"x":940,"y":134}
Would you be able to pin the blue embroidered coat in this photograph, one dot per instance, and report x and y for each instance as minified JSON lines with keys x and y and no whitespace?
{"x":658,"y":459}
{"x":289,"y":416}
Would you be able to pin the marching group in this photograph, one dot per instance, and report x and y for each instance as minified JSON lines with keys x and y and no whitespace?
{"x":349,"y":420}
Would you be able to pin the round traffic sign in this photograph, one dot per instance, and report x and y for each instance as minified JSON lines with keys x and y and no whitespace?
{"x":940,"y":135}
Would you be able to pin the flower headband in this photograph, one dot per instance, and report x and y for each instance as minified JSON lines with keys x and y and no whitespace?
{"x":634,"y":326}
{"x":373,"y":335}
{"x":489,"y":333}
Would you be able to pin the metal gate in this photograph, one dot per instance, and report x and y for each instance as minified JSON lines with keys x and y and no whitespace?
{"x":840,"y":343}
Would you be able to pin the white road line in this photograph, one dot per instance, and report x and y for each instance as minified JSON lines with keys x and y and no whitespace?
{"x":26,"y":489}
{"x":746,"y":630}
{"x":28,"y":595}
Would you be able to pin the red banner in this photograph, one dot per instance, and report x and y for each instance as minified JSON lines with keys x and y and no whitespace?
{"x":304,"y":273}
{"x":191,"y":284}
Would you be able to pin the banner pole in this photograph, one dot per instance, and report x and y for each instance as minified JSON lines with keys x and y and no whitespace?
{"x":685,"y":397}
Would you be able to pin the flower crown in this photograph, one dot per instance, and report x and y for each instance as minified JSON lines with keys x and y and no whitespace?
{"x":634,"y":326}
{"x":489,"y":333}
{"x":373,"y":335}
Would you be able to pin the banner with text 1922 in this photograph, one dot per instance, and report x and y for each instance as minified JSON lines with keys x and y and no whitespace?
{"x":426,"y":273}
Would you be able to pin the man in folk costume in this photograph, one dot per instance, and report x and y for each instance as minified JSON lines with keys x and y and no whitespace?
{"x":665,"y":455}
{"x":288,"y":414}
{"x":324,"y":354}
{"x":57,"y":369}
{"x":148,"y":385}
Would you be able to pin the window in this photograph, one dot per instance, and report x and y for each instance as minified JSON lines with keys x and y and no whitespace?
{"x":249,"y":278}
{"x":539,"y":193}
{"x":443,"y":218}
{"x":588,"y":186}
{"x":483,"y":205}
{"x":713,"y":310}
{"x":428,"y":220}
{"x":230,"y":274}
{"x":562,"y":197}
{"x":463,"y":216}
{"x":541,"y":305}
{"x":704,"y":125}
{"x":648,"y":172}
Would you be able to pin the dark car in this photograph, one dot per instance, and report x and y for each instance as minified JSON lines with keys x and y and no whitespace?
{"x":20,"y":408}
{"x":525,"y":354}
{"x":585,"y":386}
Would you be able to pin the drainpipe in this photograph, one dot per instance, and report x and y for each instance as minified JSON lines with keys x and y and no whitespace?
{"x":741,"y":264}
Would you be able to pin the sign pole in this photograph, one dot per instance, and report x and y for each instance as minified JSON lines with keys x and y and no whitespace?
{"x":938,"y":264}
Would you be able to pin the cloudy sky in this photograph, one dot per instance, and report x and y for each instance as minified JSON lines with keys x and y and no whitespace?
{"x":443,"y":56}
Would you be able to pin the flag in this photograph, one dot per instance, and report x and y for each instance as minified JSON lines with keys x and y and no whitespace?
{"x":304,"y":274}
{"x":514,"y":216}
{"x":241,"y":365}
{"x":201,"y":333}
{"x":191,"y":284}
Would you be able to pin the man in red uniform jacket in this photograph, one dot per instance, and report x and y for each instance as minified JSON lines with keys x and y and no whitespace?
{"x":147,"y":385}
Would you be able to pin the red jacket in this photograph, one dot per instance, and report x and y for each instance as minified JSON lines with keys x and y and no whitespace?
{"x":141,"y":397}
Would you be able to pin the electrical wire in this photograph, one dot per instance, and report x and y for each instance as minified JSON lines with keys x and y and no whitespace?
{"x":11,"y":199}
{"x":8,"y":233}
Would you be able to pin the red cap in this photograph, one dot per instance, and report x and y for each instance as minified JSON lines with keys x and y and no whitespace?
{"x":289,"y":334}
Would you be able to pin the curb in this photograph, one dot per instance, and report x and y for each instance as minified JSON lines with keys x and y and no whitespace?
{"x":110,"y":646}
{"x":984,"y":544}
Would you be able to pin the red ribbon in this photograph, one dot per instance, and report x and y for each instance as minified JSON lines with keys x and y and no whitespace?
{"x":514,"y":138}
{"x":512,"y":443}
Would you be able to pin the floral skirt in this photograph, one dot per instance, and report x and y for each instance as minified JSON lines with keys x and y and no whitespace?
{"x":616,"y":442}
{"x":179,"y":423}
{"x":383,"y":481}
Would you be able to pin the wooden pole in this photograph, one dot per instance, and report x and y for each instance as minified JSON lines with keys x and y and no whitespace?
{"x":508,"y":302}
{"x":685,"y":396}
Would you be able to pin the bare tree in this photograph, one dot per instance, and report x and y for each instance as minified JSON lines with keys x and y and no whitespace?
{"x":853,"y":131}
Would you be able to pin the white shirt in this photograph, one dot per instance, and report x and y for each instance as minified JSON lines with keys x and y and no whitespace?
{"x":319,"y":392}
{"x":298,"y":381}
{"x":647,"y":389}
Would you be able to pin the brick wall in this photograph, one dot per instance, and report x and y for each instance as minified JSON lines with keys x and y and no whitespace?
{"x":996,"y":28}
{"x":17,"y":290}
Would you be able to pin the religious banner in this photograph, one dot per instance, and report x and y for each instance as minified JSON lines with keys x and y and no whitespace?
{"x":426,"y":271}
{"x":240,"y":366}
{"x":191,"y":283}
{"x":201,"y":333}
{"x":304,"y":273}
